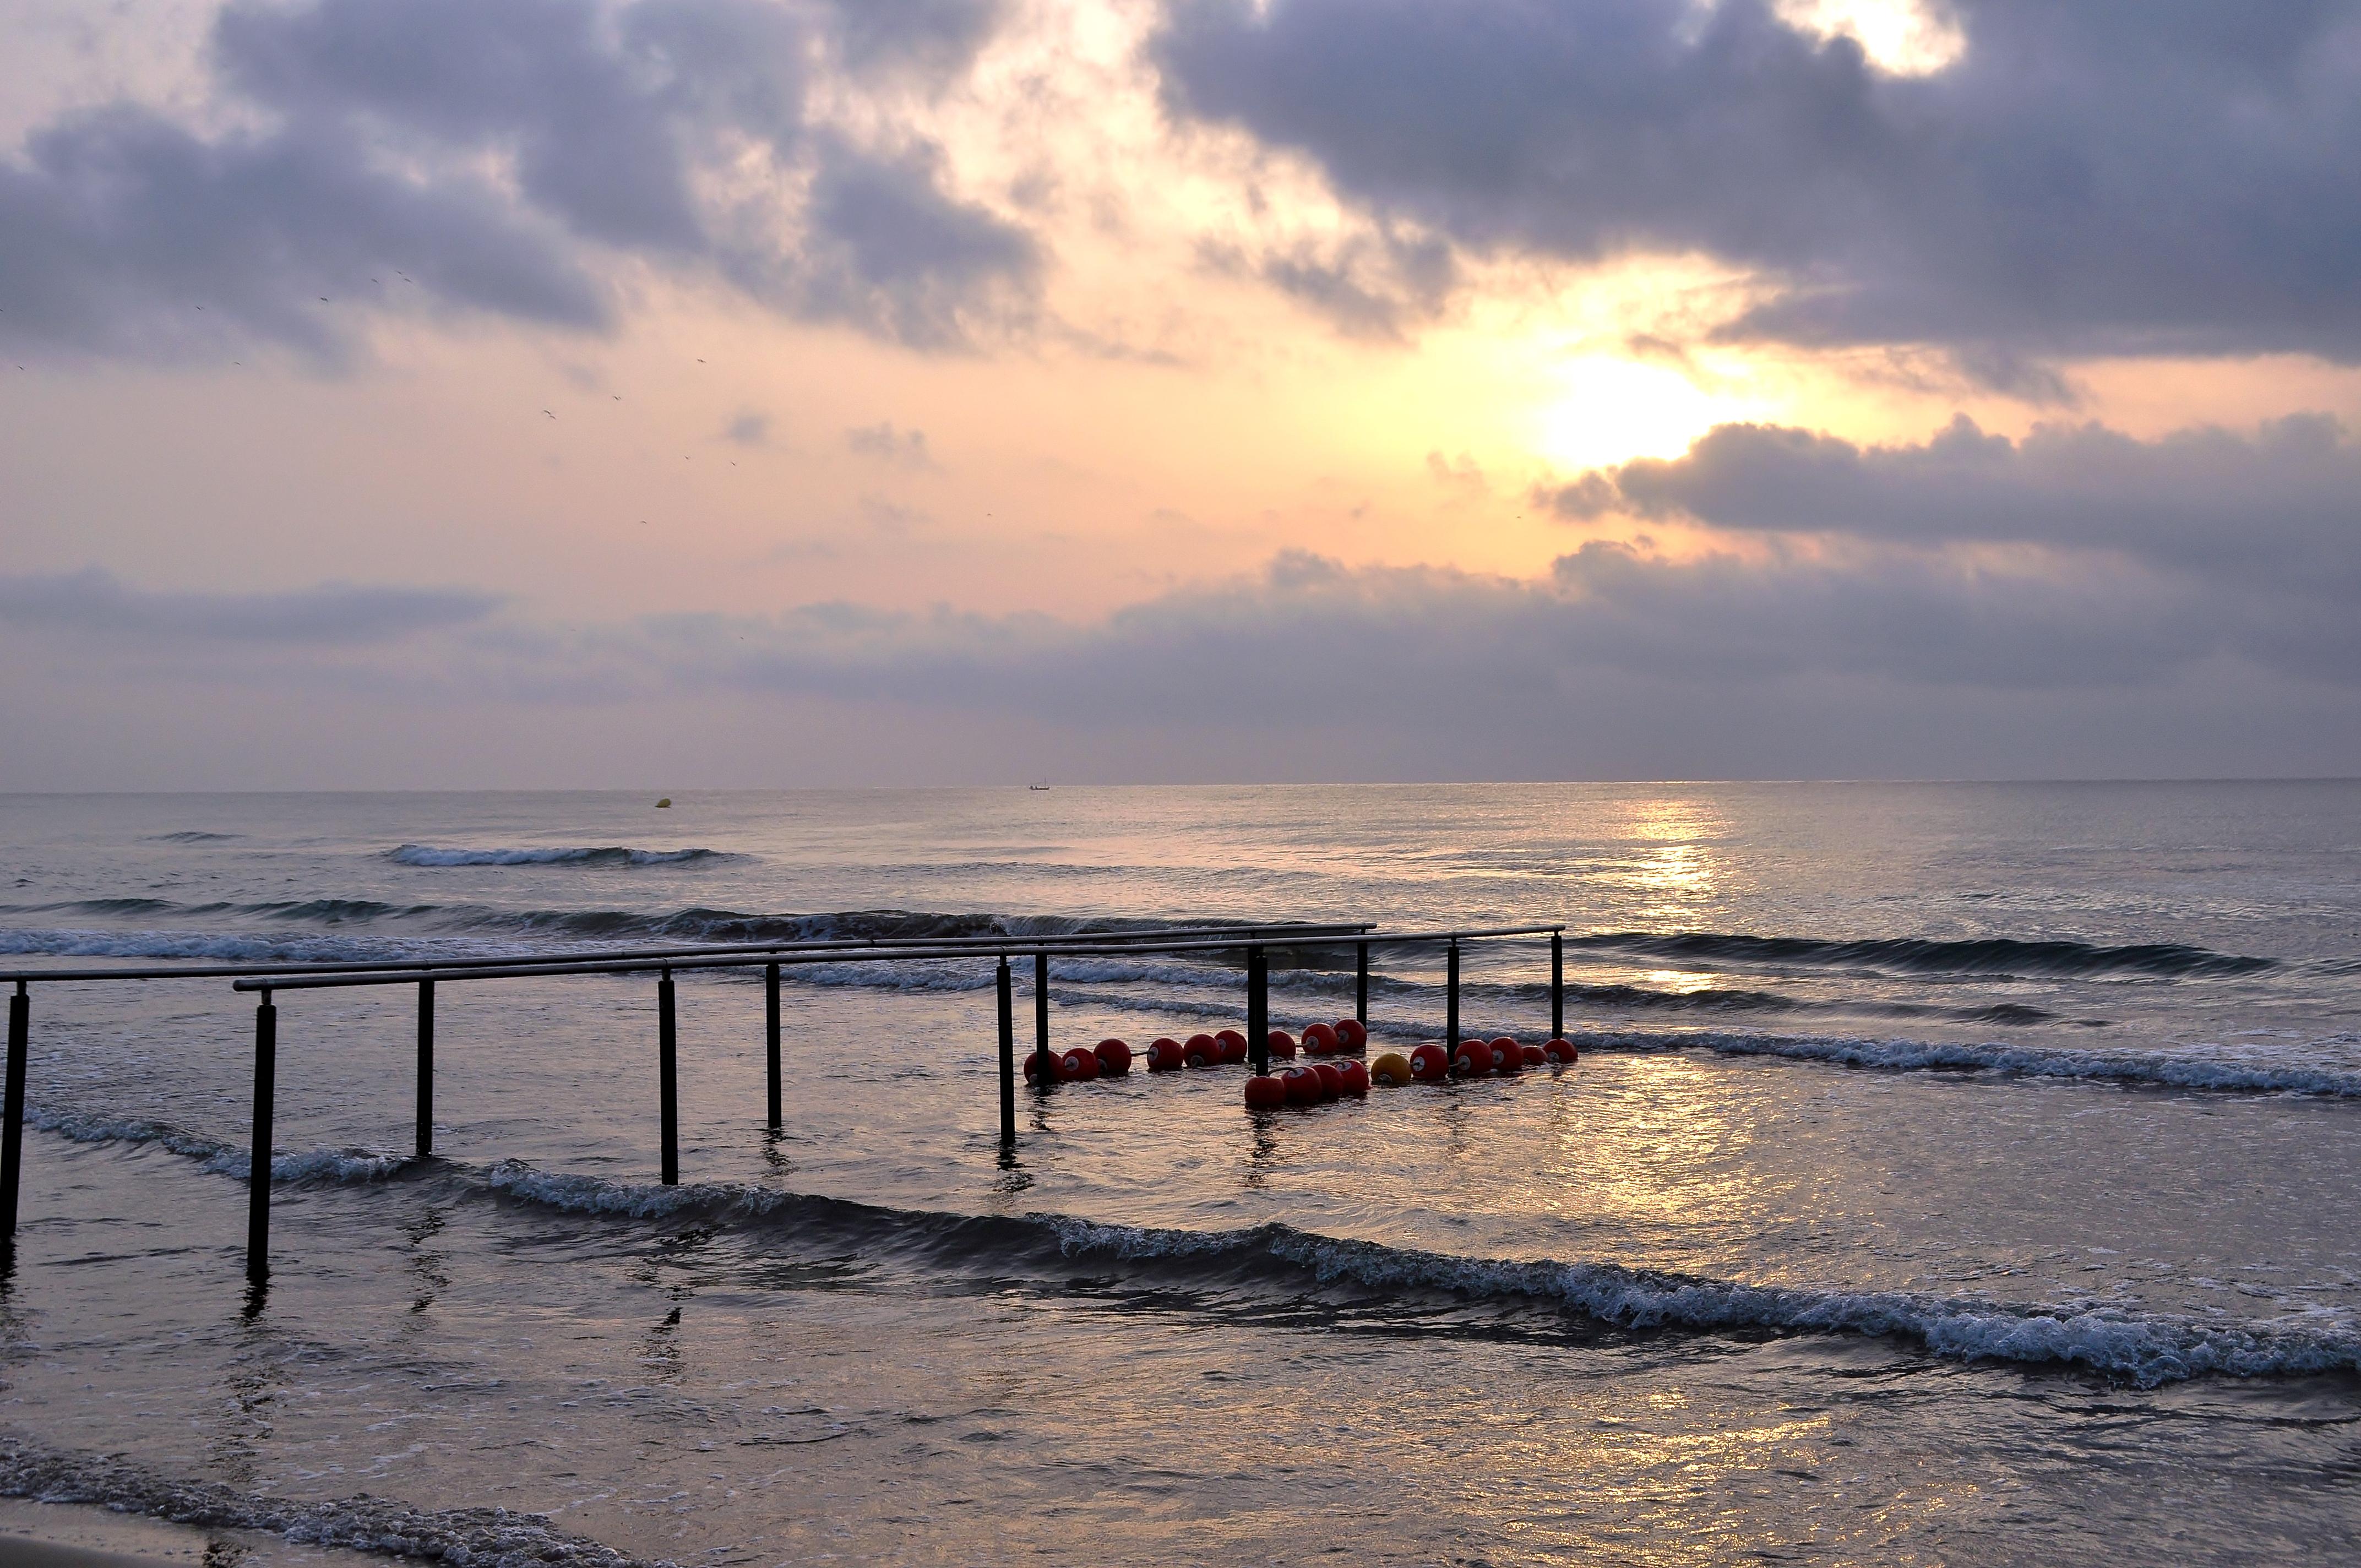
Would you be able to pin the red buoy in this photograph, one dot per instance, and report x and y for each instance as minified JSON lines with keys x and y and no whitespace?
{"x":1303,"y":1086}
{"x":1263,"y":1093}
{"x":1163,"y":1054}
{"x":1232,"y":1045}
{"x":1320,"y":1040}
{"x":1079,"y":1063}
{"x":1560,"y":1050}
{"x":1507,"y":1055}
{"x":1201,"y":1051}
{"x":1473,"y":1058}
{"x":1428,"y":1064}
{"x":1282,"y":1044}
{"x":1534,"y":1056}
{"x":1355,"y":1076}
{"x":1114,"y":1058}
{"x":1331,"y":1079}
{"x":1351,"y":1036}
{"x":1033,"y":1068}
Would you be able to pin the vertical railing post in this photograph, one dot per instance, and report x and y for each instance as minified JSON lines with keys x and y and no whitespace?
{"x":1007,"y":1056}
{"x":1042,"y":1077}
{"x":1259,"y":1008}
{"x":1557,"y":984}
{"x":257,"y":1192}
{"x":12,"y":1135}
{"x":1361,"y":983}
{"x":425,"y":1068}
{"x":668,"y":1078}
{"x":771,"y":1037}
{"x":1451,"y":1003}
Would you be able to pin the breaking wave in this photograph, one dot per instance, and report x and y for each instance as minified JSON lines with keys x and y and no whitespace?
{"x":2216,"y":1068}
{"x":212,"y":1154}
{"x":1993,"y":956}
{"x":1280,"y":1260}
{"x":1282,"y":1264}
{"x":604,"y":855}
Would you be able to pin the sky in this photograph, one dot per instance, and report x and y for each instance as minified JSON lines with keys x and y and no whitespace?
{"x":745,"y":393}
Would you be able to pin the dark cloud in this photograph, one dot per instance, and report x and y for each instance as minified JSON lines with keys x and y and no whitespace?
{"x":1369,"y":285}
{"x":2277,"y":513}
{"x":497,"y":156}
{"x":2103,"y":176}
{"x":1387,"y":648}
{"x":331,"y":615}
{"x":903,"y":448}
{"x":122,"y":234}
{"x":1872,"y":659}
{"x":887,"y":252}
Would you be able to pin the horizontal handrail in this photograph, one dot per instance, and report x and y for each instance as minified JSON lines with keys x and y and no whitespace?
{"x":785,"y":958}
{"x":421,"y":968}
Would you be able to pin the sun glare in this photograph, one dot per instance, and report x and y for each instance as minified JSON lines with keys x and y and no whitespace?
{"x":1905,"y":38}
{"x":1615,"y":410}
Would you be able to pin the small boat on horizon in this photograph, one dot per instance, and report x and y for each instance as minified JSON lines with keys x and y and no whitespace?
{"x":1043,"y":785}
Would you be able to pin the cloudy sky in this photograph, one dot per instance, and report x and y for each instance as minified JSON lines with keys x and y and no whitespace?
{"x":740,"y":392}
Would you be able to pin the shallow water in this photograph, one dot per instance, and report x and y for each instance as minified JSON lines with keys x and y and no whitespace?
{"x":1952,"y":1174}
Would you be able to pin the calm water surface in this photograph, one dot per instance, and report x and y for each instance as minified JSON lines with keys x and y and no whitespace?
{"x":1953,"y":1174}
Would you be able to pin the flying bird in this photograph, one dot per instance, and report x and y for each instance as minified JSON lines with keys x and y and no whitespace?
{"x":546,"y":412}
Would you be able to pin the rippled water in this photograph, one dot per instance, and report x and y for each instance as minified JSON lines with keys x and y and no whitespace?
{"x":1951,"y":1174}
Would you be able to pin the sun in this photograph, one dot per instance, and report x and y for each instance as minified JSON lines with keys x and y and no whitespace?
{"x":1611,"y":410}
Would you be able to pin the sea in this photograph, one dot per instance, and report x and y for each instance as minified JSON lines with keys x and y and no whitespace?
{"x":1952,"y":1173}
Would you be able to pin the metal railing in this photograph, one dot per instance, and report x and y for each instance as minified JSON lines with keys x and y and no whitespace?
{"x":773,"y":957}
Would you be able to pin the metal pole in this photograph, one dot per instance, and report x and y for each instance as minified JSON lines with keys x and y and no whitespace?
{"x":1042,"y":1077}
{"x":1007,"y":1057}
{"x":11,"y":1137}
{"x":1259,"y":1008}
{"x":1361,"y":986}
{"x":1451,"y":1004}
{"x":258,"y":1177}
{"x":425,"y":1068}
{"x":771,"y":1035}
{"x":668,"y":1080}
{"x":1557,"y":984}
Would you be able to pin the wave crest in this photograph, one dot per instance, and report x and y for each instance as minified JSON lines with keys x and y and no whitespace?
{"x":1984,"y":956}
{"x":599,"y":855}
{"x":2147,"y":1350}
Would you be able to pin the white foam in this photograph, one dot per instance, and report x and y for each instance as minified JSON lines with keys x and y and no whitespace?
{"x":630,"y":1199}
{"x":459,"y":1538}
{"x":351,"y":1165}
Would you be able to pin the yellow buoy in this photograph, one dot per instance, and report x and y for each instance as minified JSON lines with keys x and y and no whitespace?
{"x":664,"y":802}
{"x":1393,"y":1068}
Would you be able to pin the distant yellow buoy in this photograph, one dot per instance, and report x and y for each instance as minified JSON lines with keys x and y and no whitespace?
{"x":664,"y":802}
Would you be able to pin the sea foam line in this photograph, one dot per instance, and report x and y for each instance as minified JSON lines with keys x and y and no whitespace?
{"x":460,"y":1538}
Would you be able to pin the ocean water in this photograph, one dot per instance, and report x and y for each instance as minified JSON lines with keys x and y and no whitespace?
{"x":1952,"y":1174}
